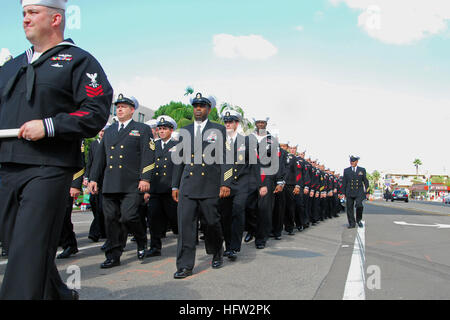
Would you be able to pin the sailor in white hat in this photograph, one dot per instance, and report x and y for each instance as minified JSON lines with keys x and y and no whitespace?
{"x":57,"y":95}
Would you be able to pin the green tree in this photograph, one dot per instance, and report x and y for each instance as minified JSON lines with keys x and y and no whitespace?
{"x":371,"y":182}
{"x":376,"y":177}
{"x":182,"y":113}
{"x":417,"y":163}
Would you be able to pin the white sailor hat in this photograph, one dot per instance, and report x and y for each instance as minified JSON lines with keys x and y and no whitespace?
{"x":152,"y":123}
{"x":353,"y":158}
{"x":200,"y":99}
{"x":265,"y":119}
{"x":58,"y":4}
{"x":231,"y":115}
{"x":130,"y":101}
{"x":166,"y":121}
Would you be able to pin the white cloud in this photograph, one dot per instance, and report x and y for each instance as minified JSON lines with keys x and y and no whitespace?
{"x":400,"y":22}
{"x":252,"y":47}
{"x":299,"y":28}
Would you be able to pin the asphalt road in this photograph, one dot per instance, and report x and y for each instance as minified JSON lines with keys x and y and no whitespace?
{"x":401,"y":253}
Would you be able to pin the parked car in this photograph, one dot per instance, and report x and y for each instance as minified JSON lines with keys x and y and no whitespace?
{"x":446,"y":199}
{"x":399,"y":195}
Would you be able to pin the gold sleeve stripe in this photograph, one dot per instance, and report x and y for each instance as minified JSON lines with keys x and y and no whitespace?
{"x":78,"y":174}
{"x":148,"y":168}
{"x":228,"y":175}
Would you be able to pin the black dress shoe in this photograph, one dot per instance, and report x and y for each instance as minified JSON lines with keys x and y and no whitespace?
{"x":75,"y":295}
{"x":232,"y":256}
{"x":260,"y":246}
{"x":133,"y":239}
{"x":360,"y":224}
{"x":141,"y":254}
{"x":94,"y":239}
{"x":202,"y":237}
{"x":271,"y":235}
{"x":104,"y":247}
{"x":182,"y":273}
{"x":300,"y":228}
{"x":291,"y":233}
{"x":153,"y":252}
{"x":4,"y":252}
{"x":227,"y":253}
{"x":351,"y":226}
{"x":109,"y":263}
{"x":217,"y":260}
{"x":67,"y":252}
{"x":248,"y":237}
{"x":277,"y":238}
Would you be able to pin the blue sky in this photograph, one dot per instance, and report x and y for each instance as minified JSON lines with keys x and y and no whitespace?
{"x":321,"y":65}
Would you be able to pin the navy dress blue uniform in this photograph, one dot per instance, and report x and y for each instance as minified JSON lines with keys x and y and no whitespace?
{"x":199,"y":186}
{"x":244,"y":176}
{"x":301,"y":216}
{"x":73,"y":106}
{"x":123,"y":159}
{"x":265,"y":205}
{"x":161,"y":204}
{"x":355,"y":186}
{"x":97,"y":228}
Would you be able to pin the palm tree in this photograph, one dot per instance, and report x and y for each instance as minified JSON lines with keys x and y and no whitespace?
{"x":376,"y":177}
{"x":417,"y":163}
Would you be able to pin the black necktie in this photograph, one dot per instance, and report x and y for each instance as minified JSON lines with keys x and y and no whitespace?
{"x":30,"y":73}
{"x":121,"y":128}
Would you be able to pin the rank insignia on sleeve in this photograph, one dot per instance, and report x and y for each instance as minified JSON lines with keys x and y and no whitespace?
{"x":152,"y":145}
{"x":93,"y":89}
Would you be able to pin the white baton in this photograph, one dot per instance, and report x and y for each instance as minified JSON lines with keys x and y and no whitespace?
{"x":9,"y":133}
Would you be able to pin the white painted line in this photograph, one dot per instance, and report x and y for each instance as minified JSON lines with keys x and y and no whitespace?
{"x":436,"y":225}
{"x":356,"y":279}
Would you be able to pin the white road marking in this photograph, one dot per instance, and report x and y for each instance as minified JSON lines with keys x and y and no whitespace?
{"x":436,"y":225}
{"x":356,"y":279}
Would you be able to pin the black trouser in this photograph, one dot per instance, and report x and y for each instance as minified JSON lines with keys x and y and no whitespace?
{"x":34,"y":200}
{"x":232,"y":210}
{"x":330,"y":206}
{"x":351,"y":202}
{"x":337,"y":205}
{"x":315,"y":207}
{"x":291,"y":203}
{"x":301,"y":216}
{"x":121,"y":217}
{"x":251,"y":211}
{"x":323,"y":208}
{"x":97,"y":229}
{"x":279,"y":213}
{"x":164,"y":212}
{"x":188,"y":215}
{"x":143,"y":215}
{"x":308,"y":201}
{"x":264,"y":216}
{"x":68,"y":238}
